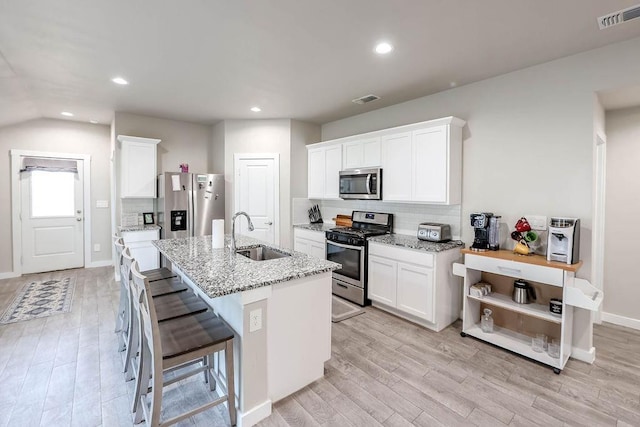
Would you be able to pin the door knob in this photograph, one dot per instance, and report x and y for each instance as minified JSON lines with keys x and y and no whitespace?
{"x":79,"y":211}
{"x":268,"y":222}
{"x":78,"y":219}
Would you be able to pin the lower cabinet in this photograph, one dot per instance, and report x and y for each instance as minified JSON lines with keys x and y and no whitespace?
{"x":414,"y":284}
{"x":309,"y":242}
{"x":142,"y":250}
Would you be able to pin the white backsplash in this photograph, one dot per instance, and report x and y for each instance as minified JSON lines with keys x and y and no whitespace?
{"x":406,"y":216}
{"x":136,"y":206}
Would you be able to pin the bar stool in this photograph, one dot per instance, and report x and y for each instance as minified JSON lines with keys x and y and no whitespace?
{"x":170,"y":285}
{"x":179,"y":302}
{"x":165,"y":346}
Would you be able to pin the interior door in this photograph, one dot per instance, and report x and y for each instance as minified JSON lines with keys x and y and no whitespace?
{"x":256,"y":195}
{"x":52,"y":220}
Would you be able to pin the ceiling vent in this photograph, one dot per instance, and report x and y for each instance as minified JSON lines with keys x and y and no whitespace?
{"x":619,"y":17}
{"x":365,"y":99}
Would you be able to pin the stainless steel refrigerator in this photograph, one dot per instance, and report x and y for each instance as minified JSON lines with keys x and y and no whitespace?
{"x":188,"y":202}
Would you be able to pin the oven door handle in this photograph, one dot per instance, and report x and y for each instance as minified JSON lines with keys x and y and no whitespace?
{"x":340,"y":245}
{"x":369,"y":183}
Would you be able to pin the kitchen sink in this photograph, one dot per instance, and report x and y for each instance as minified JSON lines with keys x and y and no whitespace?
{"x":262,"y":253}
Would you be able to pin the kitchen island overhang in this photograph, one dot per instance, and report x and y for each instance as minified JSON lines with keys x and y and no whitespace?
{"x":280,"y":310}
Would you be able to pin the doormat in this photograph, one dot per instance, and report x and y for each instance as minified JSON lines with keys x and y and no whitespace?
{"x":41,"y":299}
{"x":341,"y":310}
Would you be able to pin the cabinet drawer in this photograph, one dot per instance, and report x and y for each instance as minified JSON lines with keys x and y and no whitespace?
{"x":139,"y":236}
{"x":519,"y":270}
{"x":316,"y":236}
{"x":399,"y":254}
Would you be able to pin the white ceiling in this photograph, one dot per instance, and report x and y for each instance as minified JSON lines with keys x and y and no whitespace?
{"x":207,"y":60}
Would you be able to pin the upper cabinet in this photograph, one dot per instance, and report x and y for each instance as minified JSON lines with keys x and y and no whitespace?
{"x":423,"y":163}
{"x":324,"y":165}
{"x":361,"y":153}
{"x":138,"y":167}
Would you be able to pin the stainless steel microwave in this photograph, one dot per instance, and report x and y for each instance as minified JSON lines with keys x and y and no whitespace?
{"x":363,"y":184}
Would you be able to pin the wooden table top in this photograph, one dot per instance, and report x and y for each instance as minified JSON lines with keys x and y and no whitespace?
{"x":528,"y":259}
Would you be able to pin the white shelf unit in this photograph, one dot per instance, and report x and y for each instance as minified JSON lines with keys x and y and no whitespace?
{"x":507,"y":267}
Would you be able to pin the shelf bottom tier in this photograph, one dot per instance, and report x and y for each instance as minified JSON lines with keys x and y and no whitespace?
{"x":516,"y":342}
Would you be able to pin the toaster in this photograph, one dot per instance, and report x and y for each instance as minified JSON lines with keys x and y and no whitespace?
{"x":434,"y":232}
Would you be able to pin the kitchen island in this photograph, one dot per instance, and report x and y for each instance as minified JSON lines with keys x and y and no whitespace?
{"x":280,"y":310}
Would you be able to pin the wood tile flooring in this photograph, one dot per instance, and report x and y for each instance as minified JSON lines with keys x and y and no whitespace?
{"x":64,"y":371}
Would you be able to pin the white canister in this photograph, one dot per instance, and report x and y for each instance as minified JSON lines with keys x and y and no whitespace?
{"x":217,"y":233}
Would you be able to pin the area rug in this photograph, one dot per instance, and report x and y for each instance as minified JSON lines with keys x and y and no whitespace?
{"x":41,"y":299}
{"x":341,"y":310}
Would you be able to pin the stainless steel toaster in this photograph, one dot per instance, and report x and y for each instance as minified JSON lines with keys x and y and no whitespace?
{"x":434,"y":232}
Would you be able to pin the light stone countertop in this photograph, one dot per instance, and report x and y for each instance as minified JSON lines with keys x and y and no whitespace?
{"x":316,"y":227}
{"x":412,"y":242}
{"x":218,"y":272}
{"x":124,"y":229}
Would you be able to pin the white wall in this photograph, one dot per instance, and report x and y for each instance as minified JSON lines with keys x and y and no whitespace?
{"x":621,"y":284}
{"x":216,"y":149}
{"x":528,"y":141}
{"x":61,"y":136}
{"x":260,"y":136}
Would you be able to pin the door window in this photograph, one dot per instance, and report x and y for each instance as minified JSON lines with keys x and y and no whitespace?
{"x":52,"y":194}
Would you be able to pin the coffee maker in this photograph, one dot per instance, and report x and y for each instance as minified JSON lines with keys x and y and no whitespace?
{"x":563,"y":242}
{"x":485,"y":231}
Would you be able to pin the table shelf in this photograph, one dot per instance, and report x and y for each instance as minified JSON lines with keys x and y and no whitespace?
{"x":534,"y":310}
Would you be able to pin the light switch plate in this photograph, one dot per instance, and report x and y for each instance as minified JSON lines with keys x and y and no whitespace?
{"x":537,"y":222}
{"x":102,"y":203}
{"x":96,"y":247}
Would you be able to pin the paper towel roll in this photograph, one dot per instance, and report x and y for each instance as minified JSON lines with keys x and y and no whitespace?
{"x":217,"y":233}
{"x":175,"y":182}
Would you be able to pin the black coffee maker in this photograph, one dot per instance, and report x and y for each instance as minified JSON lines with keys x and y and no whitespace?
{"x":481,"y":225}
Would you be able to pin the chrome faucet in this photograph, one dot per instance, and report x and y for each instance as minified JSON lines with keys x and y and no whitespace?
{"x":233,"y":229}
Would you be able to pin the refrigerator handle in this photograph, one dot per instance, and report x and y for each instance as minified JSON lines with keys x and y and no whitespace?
{"x":190,"y":211}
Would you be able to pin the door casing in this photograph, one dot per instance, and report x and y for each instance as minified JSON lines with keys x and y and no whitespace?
{"x":16,"y":156}
{"x":237,"y":157}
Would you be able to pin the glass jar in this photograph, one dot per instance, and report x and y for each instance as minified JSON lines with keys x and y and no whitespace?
{"x":486,"y":322}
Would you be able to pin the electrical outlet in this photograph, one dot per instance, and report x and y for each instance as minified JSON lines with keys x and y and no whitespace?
{"x":96,"y":247}
{"x":255,"y":320}
{"x":537,"y":222}
{"x":102,"y":203}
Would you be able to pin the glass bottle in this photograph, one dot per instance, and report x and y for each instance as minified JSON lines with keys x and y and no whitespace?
{"x":486,"y":323}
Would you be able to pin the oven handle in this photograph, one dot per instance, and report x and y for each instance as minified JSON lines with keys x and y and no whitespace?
{"x":369,"y":183}
{"x":340,"y":245}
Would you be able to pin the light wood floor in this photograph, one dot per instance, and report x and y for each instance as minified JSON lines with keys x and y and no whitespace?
{"x":64,"y":370}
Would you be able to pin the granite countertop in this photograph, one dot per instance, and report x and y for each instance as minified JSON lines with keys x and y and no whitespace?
{"x":315,"y":227}
{"x":218,"y":272}
{"x":138,"y":227}
{"x":413,"y":242}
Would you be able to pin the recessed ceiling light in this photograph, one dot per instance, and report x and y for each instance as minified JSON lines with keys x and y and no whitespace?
{"x":383,"y":48}
{"x":93,"y":122}
{"x":256,"y":109}
{"x":119,"y":81}
{"x":67,"y":114}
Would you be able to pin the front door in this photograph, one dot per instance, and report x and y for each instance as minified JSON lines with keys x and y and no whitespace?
{"x":256,"y":195}
{"x":52,"y":220}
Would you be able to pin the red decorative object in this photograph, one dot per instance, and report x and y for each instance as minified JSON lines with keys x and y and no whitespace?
{"x":523,"y":225}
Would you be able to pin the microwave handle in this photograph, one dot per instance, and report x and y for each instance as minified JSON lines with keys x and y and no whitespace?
{"x":369,"y":183}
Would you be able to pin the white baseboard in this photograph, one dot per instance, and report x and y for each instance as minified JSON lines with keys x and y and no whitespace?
{"x":254,"y":415}
{"x":621,"y":320}
{"x":8,"y":275}
{"x":588,"y":356}
{"x":96,"y":264}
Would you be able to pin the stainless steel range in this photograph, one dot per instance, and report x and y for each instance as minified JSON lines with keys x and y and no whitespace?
{"x":348,"y":246}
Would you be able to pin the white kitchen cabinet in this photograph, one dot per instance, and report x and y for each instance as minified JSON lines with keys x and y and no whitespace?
{"x":415,"y":290}
{"x":361,"y":153}
{"x":414,"y":284}
{"x":424,"y":163}
{"x":324,"y":165}
{"x":382,"y":283}
{"x":516,"y":324}
{"x":138,"y":167}
{"x":141,"y":248}
{"x":309,"y":242}
{"x":397,"y":170}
